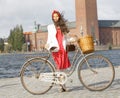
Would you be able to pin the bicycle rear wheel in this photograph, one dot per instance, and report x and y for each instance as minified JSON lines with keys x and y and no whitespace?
{"x":30,"y":75}
{"x":96,"y":73}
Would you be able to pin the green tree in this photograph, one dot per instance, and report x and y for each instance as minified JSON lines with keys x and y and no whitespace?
{"x":1,"y":44}
{"x":11,"y":39}
{"x":7,"y":48}
{"x":16,"y":38}
{"x":24,"y":47}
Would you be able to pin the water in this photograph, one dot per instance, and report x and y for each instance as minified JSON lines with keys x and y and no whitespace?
{"x":10,"y":64}
{"x":112,"y":55}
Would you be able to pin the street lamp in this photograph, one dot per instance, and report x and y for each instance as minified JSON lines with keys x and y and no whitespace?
{"x":93,"y":33}
{"x":36,"y":29}
{"x":27,"y":39}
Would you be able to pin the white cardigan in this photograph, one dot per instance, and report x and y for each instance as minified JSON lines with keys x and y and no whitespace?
{"x":51,"y":40}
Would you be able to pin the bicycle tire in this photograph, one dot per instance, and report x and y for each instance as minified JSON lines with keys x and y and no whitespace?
{"x":30,"y":74}
{"x":103,"y":74}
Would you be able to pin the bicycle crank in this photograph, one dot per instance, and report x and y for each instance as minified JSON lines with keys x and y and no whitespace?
{"x":54,"y":77}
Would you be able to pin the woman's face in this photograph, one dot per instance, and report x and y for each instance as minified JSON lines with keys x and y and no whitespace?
{"x":55,"y":17}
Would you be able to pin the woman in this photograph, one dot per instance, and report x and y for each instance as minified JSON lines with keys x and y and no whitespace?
{"x":56,"y":42}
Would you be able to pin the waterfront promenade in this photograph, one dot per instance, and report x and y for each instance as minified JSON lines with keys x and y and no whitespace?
{"x":12,"y":88}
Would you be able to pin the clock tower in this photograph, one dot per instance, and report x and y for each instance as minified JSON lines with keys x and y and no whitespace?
{"x":86,"y":18}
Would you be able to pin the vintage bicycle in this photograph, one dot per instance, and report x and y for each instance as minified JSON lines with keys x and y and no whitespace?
{"x":96,"y":72}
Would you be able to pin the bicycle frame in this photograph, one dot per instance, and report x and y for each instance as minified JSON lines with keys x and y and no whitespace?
{"x":75,"y":60}
{"x":79,"y":61}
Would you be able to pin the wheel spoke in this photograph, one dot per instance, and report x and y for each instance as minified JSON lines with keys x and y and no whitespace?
{"x":30,"y":75}
{"x":97,"y":73}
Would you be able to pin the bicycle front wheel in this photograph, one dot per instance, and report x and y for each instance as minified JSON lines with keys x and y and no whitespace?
{"x":96,"y":72}
{"x":30,"y":75}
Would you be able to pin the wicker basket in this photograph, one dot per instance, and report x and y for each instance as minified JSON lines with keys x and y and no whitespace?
{"x":86,"y":44}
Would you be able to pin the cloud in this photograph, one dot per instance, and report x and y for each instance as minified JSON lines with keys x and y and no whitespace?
{"x":108,"y":9}
{"x":25,"y":12}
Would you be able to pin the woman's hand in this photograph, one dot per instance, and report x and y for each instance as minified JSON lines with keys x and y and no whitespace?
{"x":46,"y":46}
{"x":52,"y":48}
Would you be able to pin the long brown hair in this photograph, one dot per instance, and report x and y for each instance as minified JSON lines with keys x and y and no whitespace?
{"x":61,"y":22}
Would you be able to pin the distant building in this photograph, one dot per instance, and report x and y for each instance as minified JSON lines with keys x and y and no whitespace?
{"x":103,"y":31}
{"x":109,"y":32}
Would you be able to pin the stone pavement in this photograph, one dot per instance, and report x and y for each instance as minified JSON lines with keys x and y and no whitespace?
{"x":12,"y":88}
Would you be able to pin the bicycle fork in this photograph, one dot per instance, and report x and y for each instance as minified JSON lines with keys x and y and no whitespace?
{"x":89,"y":66}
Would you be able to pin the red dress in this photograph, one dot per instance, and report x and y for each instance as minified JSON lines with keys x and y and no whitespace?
{"x":61,"y":57}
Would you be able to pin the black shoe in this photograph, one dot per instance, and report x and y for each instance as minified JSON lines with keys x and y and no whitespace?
{"x":63,"y":88}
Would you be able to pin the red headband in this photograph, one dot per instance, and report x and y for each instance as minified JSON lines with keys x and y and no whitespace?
{"x":57,"y":12}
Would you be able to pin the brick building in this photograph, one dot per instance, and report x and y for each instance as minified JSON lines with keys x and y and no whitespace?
{"x":103,"y":31}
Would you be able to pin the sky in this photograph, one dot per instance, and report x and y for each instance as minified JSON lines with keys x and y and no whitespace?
{"x":26,"y":12}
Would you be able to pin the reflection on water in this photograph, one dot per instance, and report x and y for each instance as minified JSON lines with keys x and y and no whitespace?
{"x":10,"y":64}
